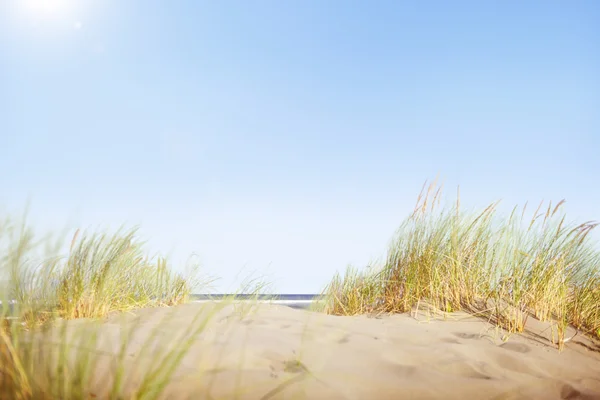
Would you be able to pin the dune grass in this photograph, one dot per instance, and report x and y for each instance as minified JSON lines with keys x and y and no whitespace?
{"x":102,"y":274}
{"x":45,"y":355}
{"x":506,"y":268}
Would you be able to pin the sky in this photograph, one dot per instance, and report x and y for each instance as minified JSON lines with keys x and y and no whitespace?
{"x":286,"y":140}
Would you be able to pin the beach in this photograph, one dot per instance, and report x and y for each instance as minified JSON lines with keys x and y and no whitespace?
{"x":206,"y":200}
{"x":268,"y":351}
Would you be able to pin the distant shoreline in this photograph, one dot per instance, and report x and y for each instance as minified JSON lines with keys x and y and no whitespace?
{"x":301,"y":301}
{"x":298,"y":301}
{"x":244,"y":296}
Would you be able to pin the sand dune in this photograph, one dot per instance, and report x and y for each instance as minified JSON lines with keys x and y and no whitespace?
{"x":275,"y":352}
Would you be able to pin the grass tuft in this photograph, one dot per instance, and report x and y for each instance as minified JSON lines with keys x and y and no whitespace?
{"x":41,"y":357}
{"x":508,"y":267}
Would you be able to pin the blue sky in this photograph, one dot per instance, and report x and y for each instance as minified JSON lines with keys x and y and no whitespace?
{"x":289,"y":139}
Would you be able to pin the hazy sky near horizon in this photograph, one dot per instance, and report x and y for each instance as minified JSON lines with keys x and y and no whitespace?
{"x":291,"y":138}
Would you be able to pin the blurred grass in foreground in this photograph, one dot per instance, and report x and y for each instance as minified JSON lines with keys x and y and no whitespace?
{"x":100,"y":275}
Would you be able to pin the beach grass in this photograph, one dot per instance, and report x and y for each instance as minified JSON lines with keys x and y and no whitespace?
{"x":101,"y":275}
{"x":506,"y":269}
{"x":46,"y":354}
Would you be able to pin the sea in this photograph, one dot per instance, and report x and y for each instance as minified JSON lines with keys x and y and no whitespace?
{"x":298,"y":301}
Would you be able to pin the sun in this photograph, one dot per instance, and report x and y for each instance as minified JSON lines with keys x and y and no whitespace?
{"x":47,"y":8}
{"x":50,"y":15}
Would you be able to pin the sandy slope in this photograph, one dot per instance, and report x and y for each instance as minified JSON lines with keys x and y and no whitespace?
{"x":277,"y":352}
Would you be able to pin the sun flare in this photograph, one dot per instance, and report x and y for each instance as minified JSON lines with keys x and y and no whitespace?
{"x":47,"y":8}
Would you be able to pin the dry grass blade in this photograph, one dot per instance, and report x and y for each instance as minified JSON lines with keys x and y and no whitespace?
{"x":102,"y":274}
{"x":474,"y":261}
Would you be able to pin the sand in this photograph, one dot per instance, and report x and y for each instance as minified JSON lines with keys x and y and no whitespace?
{"x":276,"y":352}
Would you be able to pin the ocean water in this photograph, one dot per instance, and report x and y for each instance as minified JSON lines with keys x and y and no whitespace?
{"x":299,"y":301}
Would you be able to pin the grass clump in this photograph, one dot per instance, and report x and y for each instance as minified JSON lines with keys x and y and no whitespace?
{"x":104,"y":274}
{"x":508,"y":267}
{"x":100,"y":275}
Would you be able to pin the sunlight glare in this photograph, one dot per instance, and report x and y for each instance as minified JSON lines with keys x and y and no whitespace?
{"x":47,"y":8}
